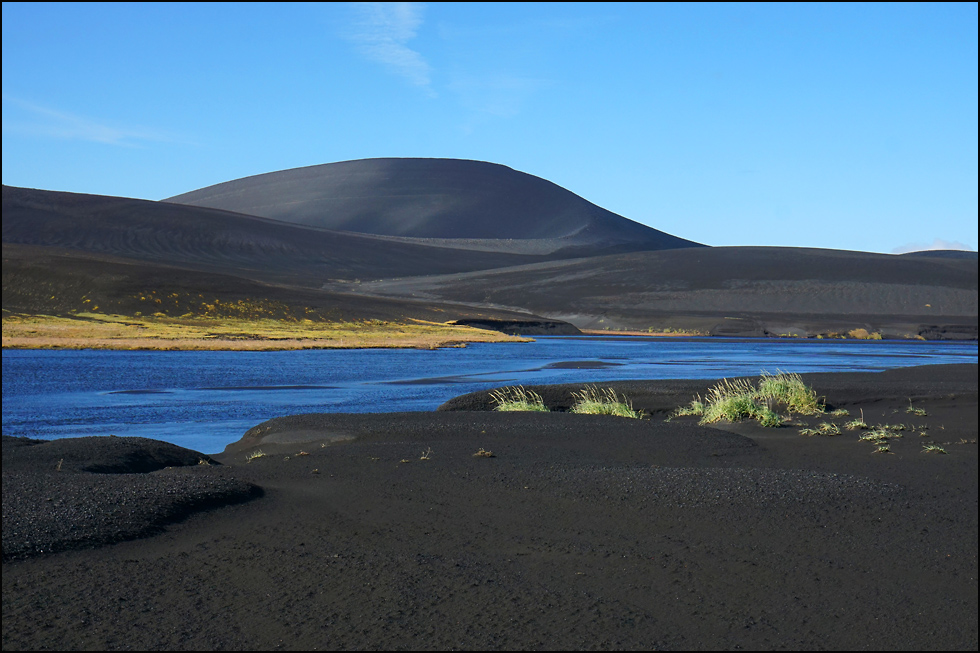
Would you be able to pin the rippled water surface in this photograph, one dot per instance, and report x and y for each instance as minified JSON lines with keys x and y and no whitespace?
{"x":204,"y":400}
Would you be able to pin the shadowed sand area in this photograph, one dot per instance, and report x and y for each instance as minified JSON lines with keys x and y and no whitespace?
{"x":580,"y":532}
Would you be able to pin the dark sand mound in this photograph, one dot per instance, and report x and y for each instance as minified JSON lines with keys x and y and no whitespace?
{"x":751,"y":291}
{"x":51,"y":281}
{"x":550,"y":431}
{"x":432,"y":199}
{"x":97,"y":455}
{"x":86,"y":492}
{"x":581,"y":532}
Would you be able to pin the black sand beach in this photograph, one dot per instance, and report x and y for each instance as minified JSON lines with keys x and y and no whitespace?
{"x":581,"y":532}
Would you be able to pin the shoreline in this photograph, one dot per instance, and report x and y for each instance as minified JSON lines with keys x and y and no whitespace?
{"x":190,"y":333}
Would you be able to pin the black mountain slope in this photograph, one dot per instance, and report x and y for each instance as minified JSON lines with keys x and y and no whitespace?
{"x":222,"y":241}
{"x":473,"y":204}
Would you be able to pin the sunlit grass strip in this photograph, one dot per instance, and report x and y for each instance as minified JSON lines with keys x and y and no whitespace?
{"x":101,"y":331}
{"x":593,"y":401}
{"x":517,"y":399}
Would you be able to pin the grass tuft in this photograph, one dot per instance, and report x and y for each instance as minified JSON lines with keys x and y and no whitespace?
{"x":696,"y":408}
{"x":518,"y":399}
{"x":737,"y":408}
{"x":824,"y":428}
{"x":789,"y":389}
{"x":932,"y":448}
{"x":593,"y":401}
{"x":914,"y":410}
{"x":735,"y":400}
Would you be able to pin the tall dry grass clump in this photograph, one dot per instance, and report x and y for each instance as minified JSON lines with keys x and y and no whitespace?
{"x":517,"y":399}
{"x":738,"y":399}
{"x":593,"y":401}
{"x":790,"y":391}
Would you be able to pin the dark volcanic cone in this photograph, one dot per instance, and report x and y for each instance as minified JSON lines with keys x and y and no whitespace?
{"x":432,"y":199}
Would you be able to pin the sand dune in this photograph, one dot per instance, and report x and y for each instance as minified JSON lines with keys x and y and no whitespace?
{"x":728,"y":291}
{"x":51,"y":281}
{"x":222,"y":241}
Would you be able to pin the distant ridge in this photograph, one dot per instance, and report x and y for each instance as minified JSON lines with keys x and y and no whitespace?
{"x":944,"y":253}
{"x":731,"y":291}
{"x":431,"y":199}
{"x":222,"y":241}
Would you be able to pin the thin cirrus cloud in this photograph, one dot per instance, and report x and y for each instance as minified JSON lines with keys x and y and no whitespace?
{"x":498,"y":95}
{"x":36,"y":120}
{"x":381,"y":32}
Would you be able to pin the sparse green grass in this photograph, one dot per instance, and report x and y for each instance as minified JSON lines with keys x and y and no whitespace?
{"x":517,"y":399}
{"x":881,"y":433}
{"x":932,"y":448}
{"x":255,"y":455}
{"x":914,"y":410}
{"x":856,"y":425}
{"x":840,"y":412}
{"x":735,"y":400}
{"x":593,"y":401}
{"x":895,"y":427}
{"x":695,"y":408}
{"x":824,"y":428}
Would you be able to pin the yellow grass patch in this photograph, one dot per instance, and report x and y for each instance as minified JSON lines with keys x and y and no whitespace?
{"x":98,"y":331}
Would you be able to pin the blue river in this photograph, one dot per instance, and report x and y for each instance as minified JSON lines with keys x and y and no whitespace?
{"x":205,"y":400}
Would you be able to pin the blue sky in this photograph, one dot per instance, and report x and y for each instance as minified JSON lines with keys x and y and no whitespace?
{"x":847,"y":126}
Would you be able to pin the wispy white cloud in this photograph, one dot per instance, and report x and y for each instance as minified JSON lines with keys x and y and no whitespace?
{"x":938,"y":243}
{"x":382,"y":30}
{"x":36,"y":120}
{"x":498,"y":95}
